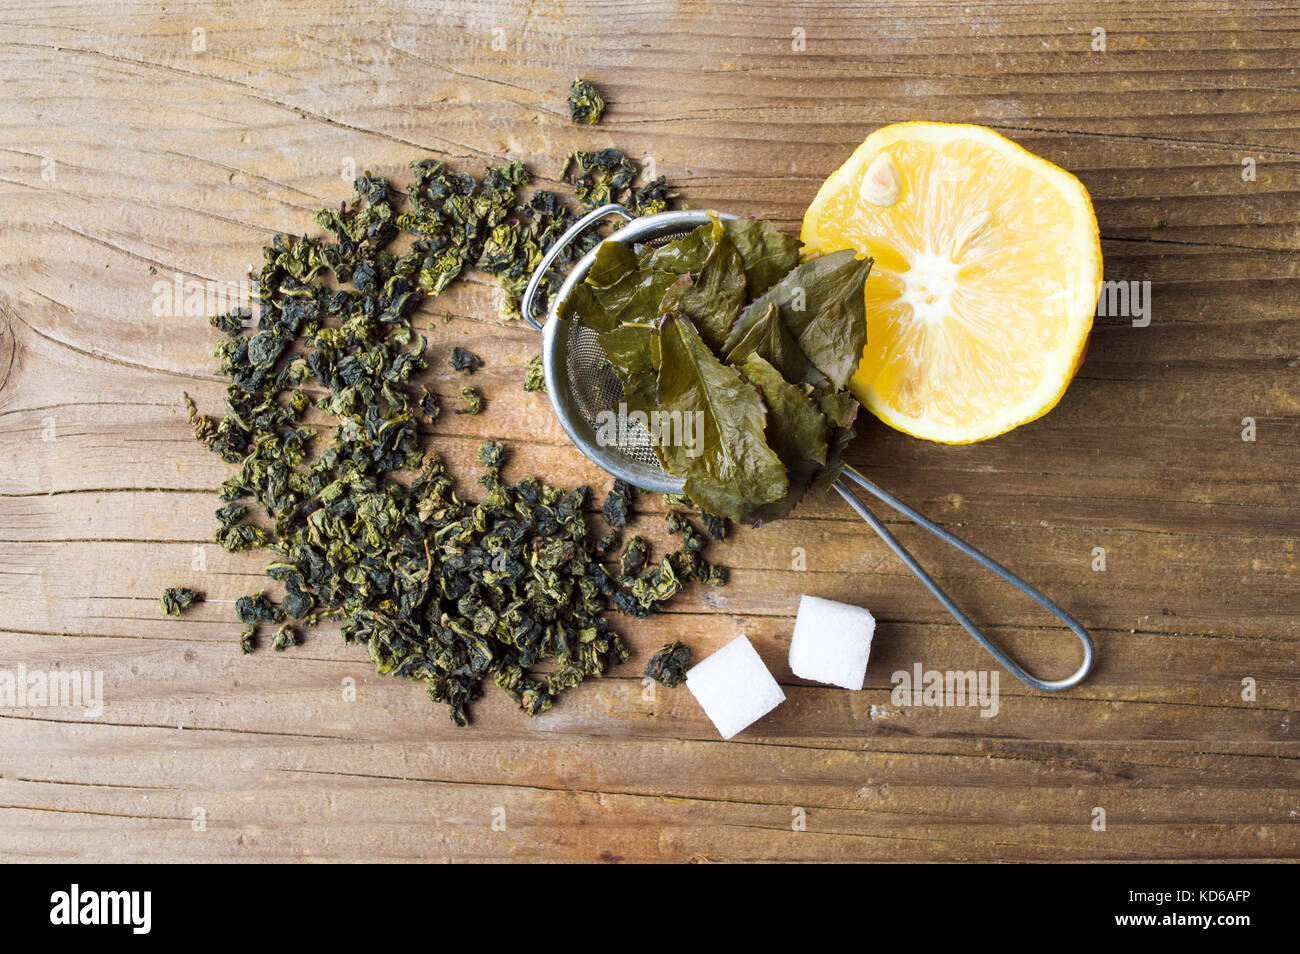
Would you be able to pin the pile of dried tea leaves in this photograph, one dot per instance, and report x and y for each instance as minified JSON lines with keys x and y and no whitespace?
{"x":439,"y":589}
{"x":725,"y":327}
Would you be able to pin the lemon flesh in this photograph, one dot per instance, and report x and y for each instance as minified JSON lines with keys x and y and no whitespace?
{"x":988,"y":266}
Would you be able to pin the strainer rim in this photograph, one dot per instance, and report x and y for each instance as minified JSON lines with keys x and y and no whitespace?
{"x":555,"y":344}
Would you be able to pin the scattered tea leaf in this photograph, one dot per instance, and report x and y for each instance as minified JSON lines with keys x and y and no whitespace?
{"x":618,"y":503}
{"x":465,"y":361}
{"x":446,"y":591}
{"x":176,"y":599}
{"x":585,"y":104}
{"x":284,"y":637}
{"x":535,"y":376}
{"x":258,"y":609}
{"x":668,"y":665}
{"x":473,"y":401}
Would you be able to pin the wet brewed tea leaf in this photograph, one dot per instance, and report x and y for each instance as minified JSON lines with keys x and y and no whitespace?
{"x":767,"y":252}
{"x":796,"y":428}
{"x":840,"y":439}
{"x":617,"y":290}
{"x":712,"y":294}
{"x":822,"y":304}
{"x":633,"y":347}
{"x":841,"y":409}
{"x":732,"y":469}
{"x":769,"y":338}
{"x":805,"y":334}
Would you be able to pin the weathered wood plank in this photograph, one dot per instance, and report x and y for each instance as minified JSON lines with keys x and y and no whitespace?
{"x":128,"y":157}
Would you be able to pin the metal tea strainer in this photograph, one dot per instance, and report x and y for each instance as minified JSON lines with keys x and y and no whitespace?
{"x":582,"y":384}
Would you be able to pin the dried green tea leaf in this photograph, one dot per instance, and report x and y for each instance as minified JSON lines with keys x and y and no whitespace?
{"x":652,"y":198}
{"x":585,"y":104}
{"x":465,"y":361}
{"x":366,"y":528}
{"x":297,"y":603}
{"x":599,"y":177}
{"x":176,"y":599}
{"x":241,"y":536}
{"x":633,"y":558}
{"x":258,"y":609}
{"x":231,"y":323}
{"x":473,"y":401}
{"x":428,"y":405}
{"x":284,"y":637}
{"x":680,"y":525}
{"x":668,"y":665}
{"x":535,"y":376}
{"x":618,"y":503}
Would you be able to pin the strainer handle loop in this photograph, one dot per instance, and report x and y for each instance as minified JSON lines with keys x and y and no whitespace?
{"x":529,"y":304}
{"x":851,"y":477}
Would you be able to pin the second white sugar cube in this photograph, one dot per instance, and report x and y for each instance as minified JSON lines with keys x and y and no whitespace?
{"x":831,"y":642}
{"x":734,"y":687}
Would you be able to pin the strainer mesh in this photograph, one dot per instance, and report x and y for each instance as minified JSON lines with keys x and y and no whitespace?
{"x":596,"y":387}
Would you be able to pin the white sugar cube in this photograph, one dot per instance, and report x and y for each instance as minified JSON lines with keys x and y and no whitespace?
{"x":734,"y":687}
{"x":831,"y":642}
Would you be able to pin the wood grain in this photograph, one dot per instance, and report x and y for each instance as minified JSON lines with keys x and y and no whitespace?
{"x":128,"y":156}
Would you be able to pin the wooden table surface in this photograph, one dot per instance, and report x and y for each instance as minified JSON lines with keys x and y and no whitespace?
{"x":179,"y":137}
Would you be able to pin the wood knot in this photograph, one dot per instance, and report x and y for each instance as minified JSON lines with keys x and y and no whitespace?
{"x":8,"y":347}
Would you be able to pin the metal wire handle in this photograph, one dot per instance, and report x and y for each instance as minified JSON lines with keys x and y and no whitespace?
{"x":851,"y":477}
{"x":529,"y":303}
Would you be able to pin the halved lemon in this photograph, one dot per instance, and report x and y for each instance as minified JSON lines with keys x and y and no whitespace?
{"x":988,"y":266}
